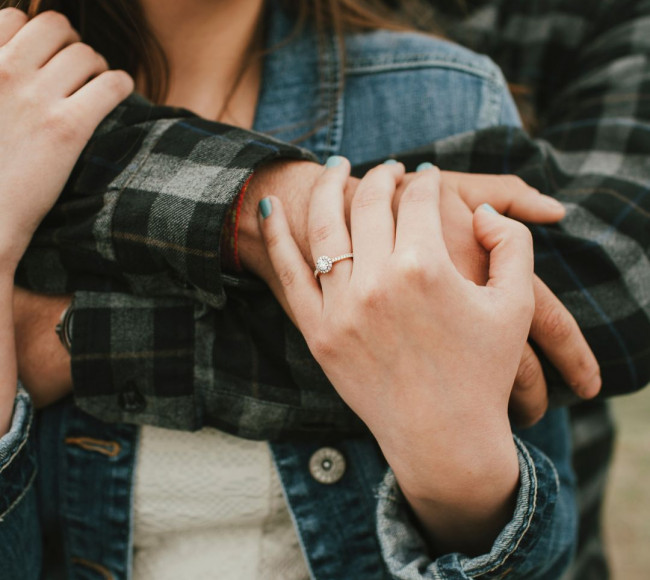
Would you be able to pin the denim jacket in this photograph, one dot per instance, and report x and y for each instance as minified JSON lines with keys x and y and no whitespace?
{"x":71,"y":517}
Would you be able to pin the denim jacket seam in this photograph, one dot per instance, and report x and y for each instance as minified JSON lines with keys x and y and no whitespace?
{"x":421,"y":61}
{"x":23,"y":493}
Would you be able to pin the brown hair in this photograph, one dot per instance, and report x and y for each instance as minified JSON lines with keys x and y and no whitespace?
{"x":117,"y":29}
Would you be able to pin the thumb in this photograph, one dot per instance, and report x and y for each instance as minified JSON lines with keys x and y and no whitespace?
{"x":511,"y":252}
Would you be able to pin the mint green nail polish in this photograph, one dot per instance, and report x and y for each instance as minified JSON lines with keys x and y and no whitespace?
{"x":265,"y":207}
{"x":333,"y":161}
{"x":390,"y":162}
{"x":424,"y":166}
{"x":488,"y":207}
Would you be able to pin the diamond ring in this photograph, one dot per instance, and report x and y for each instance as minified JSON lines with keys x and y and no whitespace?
{"x":324,"y":263}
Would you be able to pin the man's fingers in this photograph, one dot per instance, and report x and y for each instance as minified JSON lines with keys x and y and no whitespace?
{"x":508,"y":194}
{"x":511,"y":253}
{"x":371,"y":216}
{"x":294,"y":275}
{"x":529,"y":398}
{"x":557,"y":333}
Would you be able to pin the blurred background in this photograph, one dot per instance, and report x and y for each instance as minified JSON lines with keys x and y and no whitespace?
{"x":627,"y":513}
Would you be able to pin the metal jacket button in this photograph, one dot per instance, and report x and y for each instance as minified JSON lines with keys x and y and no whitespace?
{"x":327,"y":465}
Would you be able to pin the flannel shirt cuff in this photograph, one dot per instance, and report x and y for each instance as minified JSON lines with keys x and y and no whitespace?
{"x":17,"y":457}
{"x":516,"y":551}
{"x":170,"y":217}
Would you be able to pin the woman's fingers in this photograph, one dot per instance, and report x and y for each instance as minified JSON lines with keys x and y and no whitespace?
{"x":41,"y":38}
{"x":11,"y":21}
{"x":371,"y":215}
{"x":72,"y":67}
{"x":511,"y":255}
{"x":557,"y":333}
{"x":508,"y":194}
{"x":97,"y":98}
{"x":327,"y":230}
{"x":295,"y":276}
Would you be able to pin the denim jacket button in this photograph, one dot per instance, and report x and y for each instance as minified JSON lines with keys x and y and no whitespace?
{"x":327,"y":465}
{"x":132,"y":401}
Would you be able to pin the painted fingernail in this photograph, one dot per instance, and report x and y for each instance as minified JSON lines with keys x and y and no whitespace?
{"x":390,"y":162}
{"x":489,"y":208}
{"x":333,"y":161}
{"x":424,"y":166}
{"x":265,"y":207}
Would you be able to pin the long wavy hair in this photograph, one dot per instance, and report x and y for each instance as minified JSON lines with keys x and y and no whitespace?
{"x":118,"y":30}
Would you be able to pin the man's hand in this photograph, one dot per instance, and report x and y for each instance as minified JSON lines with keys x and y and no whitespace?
{"x":554,"y":329}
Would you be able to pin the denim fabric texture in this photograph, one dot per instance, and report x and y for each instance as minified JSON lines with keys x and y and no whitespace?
{"x":358,"y":527}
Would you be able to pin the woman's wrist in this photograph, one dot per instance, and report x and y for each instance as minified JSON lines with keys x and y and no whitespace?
{"x":463,"y":494}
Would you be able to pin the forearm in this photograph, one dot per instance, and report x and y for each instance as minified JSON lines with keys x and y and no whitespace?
{"x":536,"y":543}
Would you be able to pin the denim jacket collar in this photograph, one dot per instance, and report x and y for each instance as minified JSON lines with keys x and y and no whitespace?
{"x":300,"y":99}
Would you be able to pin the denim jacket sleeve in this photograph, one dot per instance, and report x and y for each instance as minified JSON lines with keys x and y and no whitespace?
{"x":537,"y":544}
{"x":20,"y":537}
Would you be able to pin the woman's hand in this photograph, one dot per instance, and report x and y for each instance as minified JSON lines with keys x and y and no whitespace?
{"x":54,"y":91}
{"x":425,"y":357}
{"x":554,"y":329}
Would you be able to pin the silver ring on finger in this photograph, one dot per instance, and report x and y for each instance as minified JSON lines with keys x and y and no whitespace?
{"x":324,"y":264}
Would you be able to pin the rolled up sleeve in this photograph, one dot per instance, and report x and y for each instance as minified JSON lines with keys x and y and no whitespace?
{"x":537,"y":543}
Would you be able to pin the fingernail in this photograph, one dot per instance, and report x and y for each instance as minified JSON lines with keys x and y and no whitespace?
{"x":424,"y":166}
{"x":390,"y":162}
{"x":552,"y":202}
{"x":265,"y":207}
{"x":487,"y":207}
{"x":333,"y":161}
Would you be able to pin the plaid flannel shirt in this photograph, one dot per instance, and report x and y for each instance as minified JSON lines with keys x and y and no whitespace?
{"x":136,"y":235}
{"x":136,"y":232}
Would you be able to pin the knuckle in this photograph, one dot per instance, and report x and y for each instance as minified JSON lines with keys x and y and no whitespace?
{"x":417,"y":191}
{"x":322,"y":346}
{"x":61,"y":126}
{"x":287,"y":277}
{"x":372,"y":295}
{"x":320,"y":233}
{"x":366,"y":198}
{"x":513,"y":182}
{"x":414,"y":268}
{"x":556,"y":324}
{"x":7,"y":73}
{"x":271,"y":239}
{"x":82,"y":51}
{"x":117,"y":82}
{"x":54,"y":19}
{"x":13,"y":14}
